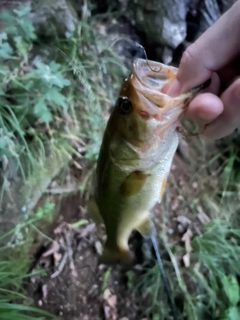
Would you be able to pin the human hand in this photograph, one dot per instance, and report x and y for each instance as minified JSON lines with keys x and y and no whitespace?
{"x":215,"y":55}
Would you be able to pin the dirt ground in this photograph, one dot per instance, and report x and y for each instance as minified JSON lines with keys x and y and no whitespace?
{"x":75,"y":286}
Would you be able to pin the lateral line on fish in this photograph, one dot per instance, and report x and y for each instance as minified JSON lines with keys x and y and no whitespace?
{"x":162,"y":271}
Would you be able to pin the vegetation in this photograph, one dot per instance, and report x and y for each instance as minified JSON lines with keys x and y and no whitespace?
{"x":53,"y":100}
{"x":209,"y":287}
{"x":14,"y":265}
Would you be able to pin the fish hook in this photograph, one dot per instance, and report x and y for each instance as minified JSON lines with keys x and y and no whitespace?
{"x":139,"y":46}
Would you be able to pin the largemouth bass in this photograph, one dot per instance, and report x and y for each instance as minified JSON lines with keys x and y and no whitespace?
{"x":136,"y":154}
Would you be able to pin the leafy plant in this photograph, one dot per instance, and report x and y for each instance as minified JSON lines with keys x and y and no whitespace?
{"x":51,"y":98}
{"x":14,"y":304}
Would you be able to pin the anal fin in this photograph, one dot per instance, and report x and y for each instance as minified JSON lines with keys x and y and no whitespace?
{"x":93,"y":211}
{"x":144,"y":227}
{"x":115,"y":256}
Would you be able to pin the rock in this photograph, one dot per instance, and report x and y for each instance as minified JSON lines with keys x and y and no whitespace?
{"x":168,"y":24}
{"x":54,"y":17}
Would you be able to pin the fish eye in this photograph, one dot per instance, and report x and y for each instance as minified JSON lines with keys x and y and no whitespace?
{"x":125,"y":105}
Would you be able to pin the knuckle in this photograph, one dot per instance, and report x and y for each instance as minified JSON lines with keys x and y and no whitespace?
{"x":188,"y":56}
{"x":237,"y":83}
{"x":234,"y":90}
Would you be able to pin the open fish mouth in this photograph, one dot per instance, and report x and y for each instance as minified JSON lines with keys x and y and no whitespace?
{"x":152,"y":79}
{"x":154,"y":75}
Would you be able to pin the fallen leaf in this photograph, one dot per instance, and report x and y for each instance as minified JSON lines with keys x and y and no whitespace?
{"x":183,"y":220}
{"x":186,"y":260}
{"x":54,"y":247}
{"x":44,"y":291}
{"x":88,"y":229}
{"x":109,"y":305}
{"x":98,"y":247}
{"x":57,"y":256}
{"x":202,"y":215}
{"x":187,"y":240}
{"x":60,"y":228}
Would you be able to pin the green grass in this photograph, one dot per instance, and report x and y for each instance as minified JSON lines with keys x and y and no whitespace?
{"x":209,"y":288}
{"x":54,"y":104}
{"x":14,"y":265}
{"x":51,"y":95}
{"x":51,"y":107}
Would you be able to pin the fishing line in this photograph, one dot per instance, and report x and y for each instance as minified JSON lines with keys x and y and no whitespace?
{"x":162,"y":271}
{"x":138,"y":45}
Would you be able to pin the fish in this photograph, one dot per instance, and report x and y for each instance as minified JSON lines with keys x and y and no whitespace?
{"x":138,"y":146}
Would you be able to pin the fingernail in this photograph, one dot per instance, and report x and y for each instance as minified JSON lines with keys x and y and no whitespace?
{"x":174,"y":89}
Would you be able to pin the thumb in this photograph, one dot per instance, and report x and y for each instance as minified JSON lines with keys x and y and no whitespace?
{"x":216,"y":47}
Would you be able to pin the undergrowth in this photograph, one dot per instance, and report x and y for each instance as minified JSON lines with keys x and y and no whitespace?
{"x":209,"y":288}
{"x":14,"y":266}
{"x":51,"y":93}
{"x":53,"y":100}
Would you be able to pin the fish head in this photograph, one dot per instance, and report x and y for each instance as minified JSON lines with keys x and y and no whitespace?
{"x":143,"y":109}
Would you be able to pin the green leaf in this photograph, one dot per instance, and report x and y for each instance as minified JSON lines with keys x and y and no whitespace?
{"x":131,"y":279}
{"x":4,"y":73}
{"x":22,"y":11}
{"x":3,"y":36}
{"x":7,"y":16}
{"x":231,"y":289}
{"x":106,"y":276}
{"x":54,"y":66}
{"x":79,"y":223}
{"x":44,"y":71}
{"x":55,"y":96}
{"x":41,"y":110}
{"x":22,"y":47}
{"x":28,"y":29}
{"x":5,"y":50}
{"x":233,"y":313}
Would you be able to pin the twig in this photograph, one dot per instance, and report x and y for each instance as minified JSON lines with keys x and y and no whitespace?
{"x":61,"y":266}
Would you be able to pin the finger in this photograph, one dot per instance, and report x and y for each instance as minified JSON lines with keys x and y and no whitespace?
{"x":212,"y":51}
{"x":229,"y":73}
{"x":215,"y":84}
{"x":229,"y":119}
{"x":205,"y":108}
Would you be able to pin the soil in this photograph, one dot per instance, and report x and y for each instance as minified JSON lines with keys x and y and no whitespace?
{"x":75,"y":287}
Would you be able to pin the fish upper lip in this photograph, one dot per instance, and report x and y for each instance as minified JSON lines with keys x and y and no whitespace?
{"x":163,"y":75}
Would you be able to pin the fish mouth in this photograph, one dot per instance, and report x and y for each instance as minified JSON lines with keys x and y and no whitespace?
{"x":152,"y":79}
{"x":154,"y":75}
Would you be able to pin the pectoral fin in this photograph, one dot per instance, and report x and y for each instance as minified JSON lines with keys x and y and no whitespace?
{"x":93,"y":211}
{"x":133,"y":183}
{"x":162,"y":188}
{"x":144,"y":227}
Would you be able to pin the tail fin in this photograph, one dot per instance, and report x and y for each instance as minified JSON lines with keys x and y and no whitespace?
{"x":115,"y":256}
